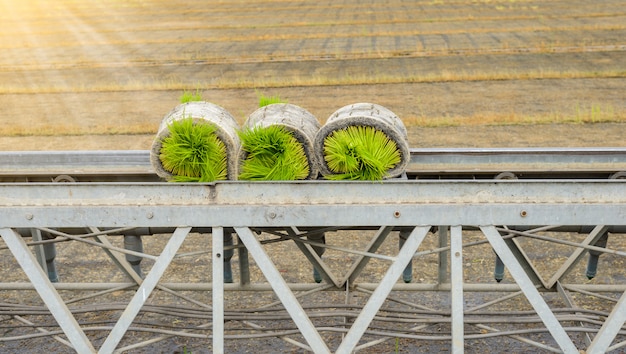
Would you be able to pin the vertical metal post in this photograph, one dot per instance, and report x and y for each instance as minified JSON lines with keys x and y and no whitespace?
{"x":218,"y":290}
{"x":529,"y":290}
{"x":41,"y":254}
{"x":227,"y":256}
{"x":592,"y":264}
{"x":379,"y":296}
{"x":498,"y":273}
{"x":244,"y":264}
{"x":144,"y":290}
{"x":281,"y":289}
{"x":50,"y":253}
{"x":46,"y":291}
{"x":407,"y":275}
{"x":318,"y":275}
{"x":443,"y":257}
{"x":456,"y":288}
{"x":134,"y":243}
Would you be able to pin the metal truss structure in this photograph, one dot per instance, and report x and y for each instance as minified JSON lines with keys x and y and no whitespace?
{"x":500,"y":214}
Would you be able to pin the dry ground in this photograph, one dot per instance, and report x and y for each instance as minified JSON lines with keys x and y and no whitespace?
{"x":550,"y":135}
{"x":101,"y":75}
{"x":88,"y":72}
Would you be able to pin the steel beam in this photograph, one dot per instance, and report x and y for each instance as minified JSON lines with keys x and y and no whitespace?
{"x":282,"y":291}
{"x":442,"y":236}
{"x":533,"y":161}
{"x":436,"y":287}
{"x":456,"y":288}
{"x":396,"y":205}
{"x":115,"y":165}
{"x":382,"y":291}
{"x":527,"y":286}
{"x":309,"y":204}
{"x":46,"y":291}
{"x":144,"y":290}
{"x":218,"y":289}
{"x":610,"y":328}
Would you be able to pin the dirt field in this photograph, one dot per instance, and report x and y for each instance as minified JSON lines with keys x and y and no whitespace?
{"x":90,"y":72}
{"x":102,"y":74}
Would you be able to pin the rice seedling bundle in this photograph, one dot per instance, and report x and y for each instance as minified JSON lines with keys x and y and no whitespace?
{"x":362,"y":141}
{"x":268,"y":100}
{"x":196,"y":142}
{"x":277,"y":144}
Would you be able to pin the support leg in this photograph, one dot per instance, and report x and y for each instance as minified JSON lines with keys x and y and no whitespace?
{"x":456,"y":288}
{"x":320,"y":238}
{"x":407,"y":274}
{"x":134,"y":243}
{"x":529,"y":290}
{"x":46,"y":291}
{"x":594,"y":256}
{"x":144,"y":291}
{"x":228,"y":255}
{"x":218,"y":288}
{"x":498,"y":273}
{"x":282,"y":291}
{"x":442,"y":276}
{"x":382,"y":291}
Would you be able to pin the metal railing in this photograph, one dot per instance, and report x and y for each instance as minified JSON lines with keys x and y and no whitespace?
{"x":461,"y":216}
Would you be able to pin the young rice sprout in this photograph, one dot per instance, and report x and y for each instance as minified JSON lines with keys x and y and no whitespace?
{"x":360,"y":153}
{"x":273,"y":153}
{"x":193,"y":152}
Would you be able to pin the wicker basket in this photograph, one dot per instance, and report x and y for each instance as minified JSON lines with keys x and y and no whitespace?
{"x":296,"y":120}
{"x":368,"y":115}
{"x":200,"y":112}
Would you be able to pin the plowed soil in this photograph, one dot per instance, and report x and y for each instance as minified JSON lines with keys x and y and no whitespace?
{"x":102,"y":75}
{"x":77,"y":75}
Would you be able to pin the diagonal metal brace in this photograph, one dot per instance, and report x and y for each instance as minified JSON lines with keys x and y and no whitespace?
{"x":144,"y":290}
{"x":46,"y":291}
{"x":528,"y":288}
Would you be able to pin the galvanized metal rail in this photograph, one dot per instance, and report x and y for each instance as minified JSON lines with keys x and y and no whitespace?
{"x":134,"y":165}
{"x":264,"y":213}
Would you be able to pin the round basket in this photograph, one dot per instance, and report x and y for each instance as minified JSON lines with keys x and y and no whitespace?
{"x":366,"y":115}
{"x":202,"y":113}
{"x":296,"y":120}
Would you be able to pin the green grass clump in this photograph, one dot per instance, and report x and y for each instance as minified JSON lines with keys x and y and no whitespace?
{"x":193,"y":152}
{"x":268,"y":100}
{"x":274,"y":154}
{"x":360,"y":153}
{"x":189,"y":96}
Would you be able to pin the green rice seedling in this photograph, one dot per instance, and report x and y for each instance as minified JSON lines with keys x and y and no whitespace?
{"x":268,"y":100}
{"x":360,"y":153}
{"x":189,"y":96}
{"x":273,"y":153}
{"x":193,"y":152}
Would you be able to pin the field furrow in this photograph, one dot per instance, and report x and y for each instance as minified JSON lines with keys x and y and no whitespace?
{"x":69,"y":48}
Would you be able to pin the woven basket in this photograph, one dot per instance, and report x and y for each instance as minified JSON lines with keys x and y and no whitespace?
{"x":368,"y":115}
{"x":205,"y":112}
{"x":296,"y":120}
